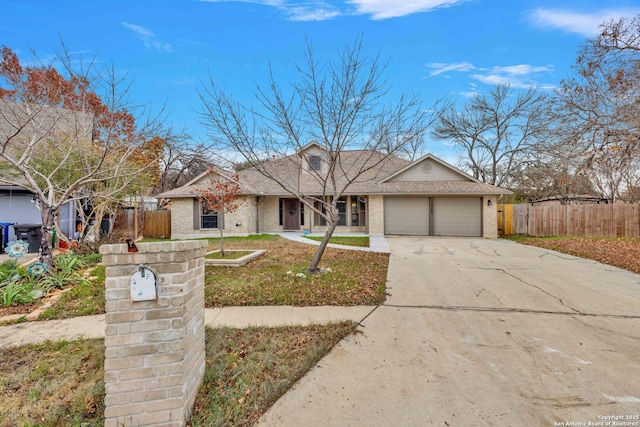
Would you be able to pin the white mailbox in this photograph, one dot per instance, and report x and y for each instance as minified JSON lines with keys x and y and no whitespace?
{"x":143,"y":285}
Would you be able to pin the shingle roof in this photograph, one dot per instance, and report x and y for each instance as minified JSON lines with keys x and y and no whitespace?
{"x":289,"y":171}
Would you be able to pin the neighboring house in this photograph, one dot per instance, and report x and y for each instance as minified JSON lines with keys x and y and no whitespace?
{"x":427,"y":197}
{"x":17,"y":205}
{"x":23,"y":124}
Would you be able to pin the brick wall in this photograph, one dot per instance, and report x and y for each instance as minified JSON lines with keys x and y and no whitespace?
{"x":489,"y":218}
{"x":155,"y":356}
{"x":269,"y":214}
{"x":182,"y":220}
{"x":375,"y":215}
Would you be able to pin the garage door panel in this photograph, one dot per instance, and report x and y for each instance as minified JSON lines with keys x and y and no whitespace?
{"x":406,"y":216}
{"x":457,"y":216}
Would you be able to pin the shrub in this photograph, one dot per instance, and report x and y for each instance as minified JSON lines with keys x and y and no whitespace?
{"x":69,"y":262}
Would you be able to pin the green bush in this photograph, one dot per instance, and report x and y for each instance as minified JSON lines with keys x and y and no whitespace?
{"x":22,"y":290}
{"x":9,"y":269}
{"x":69,"y":262}
{"x":19,"y":287}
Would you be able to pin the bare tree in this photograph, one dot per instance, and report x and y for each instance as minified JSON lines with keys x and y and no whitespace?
{"x":495,"y":133}
{"x":612,"y":168}
{"x":595,"y":110}
{"x":183,"y":159}
{"x":599,"y":104}
{"x":339,"y":104}
{"x":62,"y":141}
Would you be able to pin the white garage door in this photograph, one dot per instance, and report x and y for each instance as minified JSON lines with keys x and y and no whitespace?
{"x":408,"y":216}
{"x":457,"y":216}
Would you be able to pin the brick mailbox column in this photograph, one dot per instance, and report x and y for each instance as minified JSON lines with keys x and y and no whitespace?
{"x":154,"y":350}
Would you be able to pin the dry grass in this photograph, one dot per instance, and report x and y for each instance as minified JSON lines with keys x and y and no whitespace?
{"x":248,"y":370}
{"x":619,"y":252}
{"x":355,"y":277}
{"x":361,"y":241}
{"x":52,"y":384}
{"x":62,"y":383}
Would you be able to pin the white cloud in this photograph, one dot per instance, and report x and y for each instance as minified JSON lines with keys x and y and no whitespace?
{"x":585,"y":24}
{"x":295,"y":11}
{"x":321,"y":10}
{"x":317,"y":13}
{"x":383,"y":9}
{"x":441,"y":68}
{"x":519,"y":76}
{"x":519,"y":70}
{"x":149,"y":38}
{"x":469,"y":93}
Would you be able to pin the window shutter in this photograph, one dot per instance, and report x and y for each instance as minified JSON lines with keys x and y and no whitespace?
{"x":196,"y":214}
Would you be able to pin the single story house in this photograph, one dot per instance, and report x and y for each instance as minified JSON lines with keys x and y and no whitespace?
{"x":426,"y":197}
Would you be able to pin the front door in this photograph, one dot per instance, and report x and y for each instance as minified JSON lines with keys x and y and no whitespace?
{"x":291,"y":214}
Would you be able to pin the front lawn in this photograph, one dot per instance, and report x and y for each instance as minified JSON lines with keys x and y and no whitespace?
{"x":359,"y":241}
{"x":280,"y":277}
{"x":619,"y":252}
{"x":247,"y":370}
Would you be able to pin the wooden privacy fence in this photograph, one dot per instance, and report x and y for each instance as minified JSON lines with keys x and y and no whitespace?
{"x":597,"y":220}
{"x":157,"y":224}
{"x":149,"y":223}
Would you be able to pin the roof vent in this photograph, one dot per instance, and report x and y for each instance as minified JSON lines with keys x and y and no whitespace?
{"x":426,"y":167}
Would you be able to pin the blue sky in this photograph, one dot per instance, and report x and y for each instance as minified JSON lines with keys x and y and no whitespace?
{"x":434,"y":47}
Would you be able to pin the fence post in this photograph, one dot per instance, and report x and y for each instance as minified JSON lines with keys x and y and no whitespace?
{"x":154,"y":350}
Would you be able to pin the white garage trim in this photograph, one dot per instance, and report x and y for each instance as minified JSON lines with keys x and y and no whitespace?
{"x":406,"y":216}
{"x":457,"y":216}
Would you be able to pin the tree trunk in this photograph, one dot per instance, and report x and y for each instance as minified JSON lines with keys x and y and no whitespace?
{"x":49,"y":216}
{"x":313,"y":268}
{"x":221,"y":242}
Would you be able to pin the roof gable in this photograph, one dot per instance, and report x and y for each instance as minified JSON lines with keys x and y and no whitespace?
{"x":428,"y":168}
{"x":211,"y":173}
{"x":312,"y":145}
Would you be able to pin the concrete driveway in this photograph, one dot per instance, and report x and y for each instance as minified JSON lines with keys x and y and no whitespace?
{"x":481,"y":332}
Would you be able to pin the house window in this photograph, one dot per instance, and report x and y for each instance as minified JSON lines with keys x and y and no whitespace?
{"x":355,"y":212}
{"x":319,"y":219}
{"x":208,"y":218}
{"x":315,"y":163}
{"x":356,"y":218}
{"x":342,"y":211}
{"x":358,"y":211}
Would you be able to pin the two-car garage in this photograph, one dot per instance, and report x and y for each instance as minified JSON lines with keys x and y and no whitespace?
{"x":433,"y":216}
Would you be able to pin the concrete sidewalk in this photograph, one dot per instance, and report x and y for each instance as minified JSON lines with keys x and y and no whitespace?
{"x":23,"y":260}
{"x":376,"y":243}
{"x":235,"y":317}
